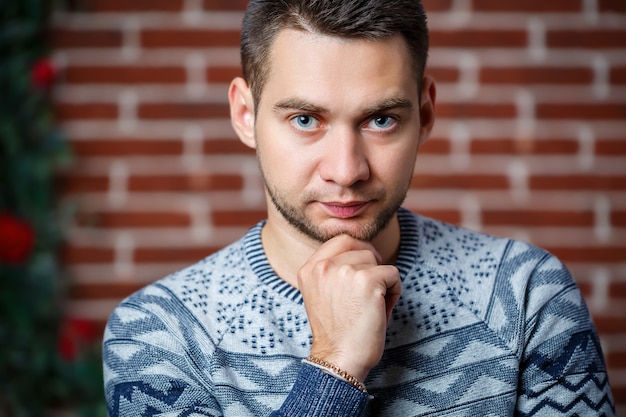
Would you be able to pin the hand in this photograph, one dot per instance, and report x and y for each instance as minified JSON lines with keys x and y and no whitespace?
{"x":348,"y":298}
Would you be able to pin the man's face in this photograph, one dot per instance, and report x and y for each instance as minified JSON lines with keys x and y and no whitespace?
{"x":337,"y":130}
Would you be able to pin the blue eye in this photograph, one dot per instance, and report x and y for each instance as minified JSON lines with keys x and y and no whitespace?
{"x":304,"y":122}
{"x":382,"y":123}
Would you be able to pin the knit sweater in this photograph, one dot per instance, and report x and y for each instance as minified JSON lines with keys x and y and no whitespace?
{"x":485,"y":326}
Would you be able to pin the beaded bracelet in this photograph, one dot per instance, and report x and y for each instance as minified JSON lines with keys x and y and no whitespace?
{"x":336,"y":372}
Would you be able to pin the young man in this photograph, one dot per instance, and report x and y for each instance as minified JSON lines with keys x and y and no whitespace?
{"x":341,"y":303}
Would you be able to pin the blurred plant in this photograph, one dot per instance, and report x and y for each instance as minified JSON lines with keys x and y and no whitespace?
{"x":47,"y":361}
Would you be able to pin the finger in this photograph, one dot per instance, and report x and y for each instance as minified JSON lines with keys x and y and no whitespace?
{"x":356,"y":257}
{"x":393,"y":285}
{"x":343,"y":243}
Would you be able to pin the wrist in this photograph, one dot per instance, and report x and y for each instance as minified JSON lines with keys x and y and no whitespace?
{"x":348,"y":363}
{"x":336,"y":371}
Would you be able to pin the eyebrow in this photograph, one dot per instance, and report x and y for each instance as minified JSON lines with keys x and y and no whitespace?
{"x":299,"y":104}
{"x":295,"y":103}
{"x":389,"y":104}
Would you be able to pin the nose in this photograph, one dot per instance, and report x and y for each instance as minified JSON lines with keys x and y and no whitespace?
{"x":345,"y":159}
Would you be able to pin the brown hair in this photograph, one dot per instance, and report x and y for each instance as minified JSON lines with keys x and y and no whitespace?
{"x":357,"y":19}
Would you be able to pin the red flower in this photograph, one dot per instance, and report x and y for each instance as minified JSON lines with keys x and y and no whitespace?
{"x":75,"y":335}
{"x":16,"y":240}
{"x":43,"y":74}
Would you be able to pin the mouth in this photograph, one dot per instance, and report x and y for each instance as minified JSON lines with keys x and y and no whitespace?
{"x":345,"y":210}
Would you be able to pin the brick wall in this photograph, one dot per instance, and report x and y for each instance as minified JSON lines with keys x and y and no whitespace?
{"x":530,"y":140}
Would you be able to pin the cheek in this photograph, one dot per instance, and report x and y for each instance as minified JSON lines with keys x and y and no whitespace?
{"x":395,"y":165}
{"x":284,"y":169}
{"x":283,"y":157}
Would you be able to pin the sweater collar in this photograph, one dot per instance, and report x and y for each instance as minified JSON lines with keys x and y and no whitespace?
{"x":255,"y":255}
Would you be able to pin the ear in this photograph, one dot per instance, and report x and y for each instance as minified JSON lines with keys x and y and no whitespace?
{"x":427,"y":109}
{"x":242,"y":111}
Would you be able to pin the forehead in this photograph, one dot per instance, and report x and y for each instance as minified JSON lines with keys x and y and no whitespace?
{"x":329,"y":70}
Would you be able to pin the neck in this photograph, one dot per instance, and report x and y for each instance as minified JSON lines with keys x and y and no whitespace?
{"x":287,"y":249}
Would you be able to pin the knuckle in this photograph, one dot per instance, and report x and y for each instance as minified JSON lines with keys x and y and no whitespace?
{"x":346,"y":270}
{"x":323,"y":267}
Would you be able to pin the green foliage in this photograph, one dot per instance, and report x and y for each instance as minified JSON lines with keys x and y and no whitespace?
{"x":46,"y":361}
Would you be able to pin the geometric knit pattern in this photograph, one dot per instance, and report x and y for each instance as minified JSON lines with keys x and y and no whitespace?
{"x":485,"y":326}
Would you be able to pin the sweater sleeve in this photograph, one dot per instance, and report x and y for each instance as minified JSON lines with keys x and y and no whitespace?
{"x":562,"y":370}
{"x":316,"y":393}
{"x":146,"y":367}
{"x":149,"y":369}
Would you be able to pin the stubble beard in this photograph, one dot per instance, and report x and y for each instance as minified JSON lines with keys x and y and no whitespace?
{"x":299,"y":220}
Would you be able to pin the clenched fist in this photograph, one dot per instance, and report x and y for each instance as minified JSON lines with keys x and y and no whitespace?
{"x":348,"y":296}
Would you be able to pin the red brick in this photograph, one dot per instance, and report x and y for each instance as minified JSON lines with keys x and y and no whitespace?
{"x":238,"y":217}
{"x":479,"y":38}
{"x":436,"y":146}
{"x":608,"y":254}
{"x":437,"y":5}
{"x":582,"y":111}
{"x":218,"y":5}
{"x":476,"y":110}
{"x":126,"y":6}
{"x":126,"y":147}
{"x":610,"y":324}
{"x":73,"y":254}
{"x":184,"y":111}
{"x":110,"y":219}
{"x":188,"y":38}
{"x":185,"y":183}
{"x":84,"y":111}
{"x":226,"y":146}
{"x":618,"y":74}
{"x":612,"y":6}
{"x":103,"y":291}
{"x":536,"y":75}
{"x":462,"y":181}
{"x":560,"y":218}
{"x":586,"y":39}
{"x":70,"y":184}
{"x":617,"y":290}
{"x":619,"y":395}
{"x":618,"y":218}
{"x":174,"y":254}
{"x":611,"y":147}
{"x":586,"y":289}
{"x":578,"y":182}
{"x":443,"y":74}
{"x":527,"y":6}
{"x":85,"y":38}
{"x":535,"y":147}
{"x":616,"y":359}
{"x":125,"y":75}
{"x":222,"y":74}
{"x":448,"y":216}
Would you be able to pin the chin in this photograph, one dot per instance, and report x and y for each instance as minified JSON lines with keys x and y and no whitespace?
{"x":361,"y":230}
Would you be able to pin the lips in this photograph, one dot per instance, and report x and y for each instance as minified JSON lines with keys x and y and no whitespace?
{"x":345,"y":210}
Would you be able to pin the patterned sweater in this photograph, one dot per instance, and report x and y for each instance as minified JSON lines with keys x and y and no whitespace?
{"x":485,"y":327}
